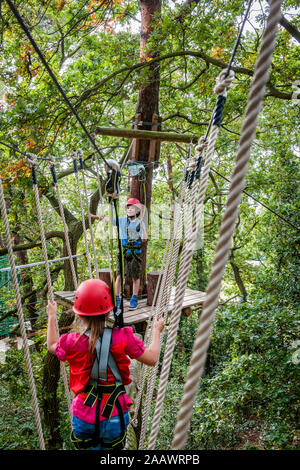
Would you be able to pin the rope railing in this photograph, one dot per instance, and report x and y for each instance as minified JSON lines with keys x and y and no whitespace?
{"x":65,"y":227}
{"x":89,"y":215}
{"x":82,"y":217}
{"x":202,"y":340}
{"x":192,"y":224}
{"x":21,"y":319}
{"x":164,"y":296}
{"x":47,"y":269}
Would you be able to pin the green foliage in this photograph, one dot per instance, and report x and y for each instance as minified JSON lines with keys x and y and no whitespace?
{"x":248,"y":396}
{"x":251,"y":385}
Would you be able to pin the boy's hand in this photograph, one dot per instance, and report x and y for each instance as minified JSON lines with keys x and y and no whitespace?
{"x":93,"y":216}
{"x":51,"y":309}
{"x":159,"y":324}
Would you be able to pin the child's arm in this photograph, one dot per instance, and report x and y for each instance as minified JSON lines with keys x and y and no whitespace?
{"x":52,"y":335}
{"x":151,"y":355}
{"x":93,"y":216}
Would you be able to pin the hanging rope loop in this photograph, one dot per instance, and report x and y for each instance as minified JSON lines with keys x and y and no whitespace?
{"x":201,"y":145}
{"x":32,"y":159}
{"x":224,"y":82}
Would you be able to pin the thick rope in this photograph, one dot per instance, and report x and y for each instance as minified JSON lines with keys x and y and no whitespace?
{"x":185,"y":201}
{"x":175,"y":316}
{"x":89,"y":215}
{"x":162,"y":292}
{"x":21,"y":319}
{"x":148,"y":332}
{"x":223,"y":83}
{"x":66,"y":232}
{"x":48,"y":275}
{"x":202,"y":341}
{"x":83,"y":219}
{"x":162,"y":305}
{"x":102,"y":215}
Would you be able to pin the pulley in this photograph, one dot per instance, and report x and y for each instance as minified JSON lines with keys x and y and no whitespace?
{"x":136,"y":169}
{"x":112,"y":185}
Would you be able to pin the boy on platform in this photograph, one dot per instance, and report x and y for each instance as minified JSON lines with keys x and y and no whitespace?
{"x":132,"y":233}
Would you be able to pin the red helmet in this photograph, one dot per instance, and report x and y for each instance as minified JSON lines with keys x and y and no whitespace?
{"x":134,"y":202}
{"x":93,"y":298}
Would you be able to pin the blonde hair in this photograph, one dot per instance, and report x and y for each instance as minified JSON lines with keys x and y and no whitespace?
{"x":96,"y":324}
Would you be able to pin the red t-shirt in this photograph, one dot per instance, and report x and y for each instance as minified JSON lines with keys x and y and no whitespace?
{"x":73,"y":348}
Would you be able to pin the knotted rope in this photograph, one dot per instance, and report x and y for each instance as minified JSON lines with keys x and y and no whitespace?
{"x":21,"y":318}
{"x":32,"y":162}
{"x":62,"y":214}
{"x":89,"y":215}
{"x":201,"y":344}
{"x":82,"y":218}
{"x":192,"y":225}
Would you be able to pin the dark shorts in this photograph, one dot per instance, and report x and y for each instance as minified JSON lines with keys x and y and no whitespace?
{"x":132,"y":266}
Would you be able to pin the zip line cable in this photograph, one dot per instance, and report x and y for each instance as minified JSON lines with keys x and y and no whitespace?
{"x":53,"y":77}
{"x":15,"y":149}
{"x":261,"y":203}
{"x":38,"y":263}
{"x":255,"y":199}
{"x":238,"y":39}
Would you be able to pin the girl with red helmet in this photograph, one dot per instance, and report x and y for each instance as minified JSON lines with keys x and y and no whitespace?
{"x":100,"y":408}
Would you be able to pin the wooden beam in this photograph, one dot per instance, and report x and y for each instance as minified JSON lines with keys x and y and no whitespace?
{"x":141,"y":134}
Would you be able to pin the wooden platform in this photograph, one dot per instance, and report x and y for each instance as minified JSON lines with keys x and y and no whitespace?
{"x":192,"y":298}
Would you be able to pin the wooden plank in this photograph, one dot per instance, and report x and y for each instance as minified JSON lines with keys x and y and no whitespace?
{"x":144,"y":311}
{"x":142,"y":134}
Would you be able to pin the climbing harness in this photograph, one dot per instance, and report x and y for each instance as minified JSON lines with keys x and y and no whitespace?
{"x":96,"y":392}
{"x":132,"y":247}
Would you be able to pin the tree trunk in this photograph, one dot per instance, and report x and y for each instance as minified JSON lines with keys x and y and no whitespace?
{"x":26,"y":280}
{"x":51,"y":372}
{"x":147,"y":106}
{"x":238,"y":280}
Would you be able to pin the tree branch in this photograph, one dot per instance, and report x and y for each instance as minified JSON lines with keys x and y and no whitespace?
{"x":208,"y":59}
{"x":34,"y":244}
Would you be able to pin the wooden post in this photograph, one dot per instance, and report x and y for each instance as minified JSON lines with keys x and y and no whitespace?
{"x":146,"y":135}
{"x":153,"y":143}
{"x":152,"y":280}
{"x":135,"y":147}
{"x":186,"y":312}
{"x":104,"y":275}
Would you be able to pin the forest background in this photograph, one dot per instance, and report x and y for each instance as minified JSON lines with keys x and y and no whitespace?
{"x":248,"y":396}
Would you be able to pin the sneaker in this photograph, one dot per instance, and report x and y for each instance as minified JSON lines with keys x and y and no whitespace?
{"x":118,"y":300}
{"x":133,"y":302}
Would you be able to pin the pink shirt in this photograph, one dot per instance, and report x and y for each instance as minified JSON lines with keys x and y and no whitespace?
{"x":73,"y":348}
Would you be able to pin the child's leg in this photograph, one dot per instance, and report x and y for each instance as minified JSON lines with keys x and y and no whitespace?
{"x":118,"y":284}
{"x":135,"y":286}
